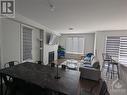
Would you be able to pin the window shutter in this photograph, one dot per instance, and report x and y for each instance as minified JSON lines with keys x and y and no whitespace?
{"x":81,"y":45}
{"x":69,"y":44}
{"x":75,"y":45}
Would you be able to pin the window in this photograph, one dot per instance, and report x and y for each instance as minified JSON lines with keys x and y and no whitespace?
{"x":75,"y":45}
{"x":112,"y":46}
{"x":69,"y":44}
{"x":123,"y":50}
{"x":27,"y":43}
{"x":116,"y":46}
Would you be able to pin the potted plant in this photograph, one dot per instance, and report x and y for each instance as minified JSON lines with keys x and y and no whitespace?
{"x":61,"y":52}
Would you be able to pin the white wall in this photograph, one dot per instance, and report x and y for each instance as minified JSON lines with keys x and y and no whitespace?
{"x":11,"y":42}
{"x":27,"y":21}
{"x":101,"y":39}
{"x":35,"y":44}
{"x":47,"y":49}
{"x":89,"y":41}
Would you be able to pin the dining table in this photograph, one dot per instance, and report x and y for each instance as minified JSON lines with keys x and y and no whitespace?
{"x":44,"y":77}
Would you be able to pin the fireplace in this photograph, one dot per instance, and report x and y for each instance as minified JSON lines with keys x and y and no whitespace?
{"x":51,"y":57}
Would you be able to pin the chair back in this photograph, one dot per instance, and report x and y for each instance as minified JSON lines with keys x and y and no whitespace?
{"x":11,"y":64}
{"x":106,"y":57}
{"x":7,"y":79}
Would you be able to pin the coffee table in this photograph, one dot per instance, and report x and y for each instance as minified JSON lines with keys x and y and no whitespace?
{"x":71,"y":64}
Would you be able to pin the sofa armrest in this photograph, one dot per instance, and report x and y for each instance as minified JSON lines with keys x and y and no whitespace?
{"x":90,"y":73}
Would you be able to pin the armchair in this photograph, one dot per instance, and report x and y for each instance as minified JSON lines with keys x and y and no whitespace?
{"x":91,"y":71}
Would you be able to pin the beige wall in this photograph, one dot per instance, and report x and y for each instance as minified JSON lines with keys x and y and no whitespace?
{"x":89,"y":41}
{"x":101,"y":39}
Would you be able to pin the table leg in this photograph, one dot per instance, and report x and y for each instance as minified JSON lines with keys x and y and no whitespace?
{"x":118,"y":71}
{"x":1,"y":92}
{"x":108,"y":69}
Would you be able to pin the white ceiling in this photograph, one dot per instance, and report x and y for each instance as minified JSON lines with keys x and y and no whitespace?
{"x":82,"y":15}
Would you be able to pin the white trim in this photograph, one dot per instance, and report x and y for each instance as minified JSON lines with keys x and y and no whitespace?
{"x":72,"y":44}
{"x":24,"y":20}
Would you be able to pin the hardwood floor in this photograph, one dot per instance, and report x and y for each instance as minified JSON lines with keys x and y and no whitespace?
{"x":91,"y":87}
{"x":87,"y":87}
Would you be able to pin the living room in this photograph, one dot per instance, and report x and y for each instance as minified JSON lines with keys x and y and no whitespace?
{"x":60,"y":34}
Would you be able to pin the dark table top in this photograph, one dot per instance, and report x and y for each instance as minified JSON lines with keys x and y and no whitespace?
{"x":43,"y":76}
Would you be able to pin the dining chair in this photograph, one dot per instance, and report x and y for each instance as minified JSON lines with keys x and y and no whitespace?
{"x":11,"y":64}
{"x":113,"y":70}
{"x":7,"y":79}
{"x":106,"y":61}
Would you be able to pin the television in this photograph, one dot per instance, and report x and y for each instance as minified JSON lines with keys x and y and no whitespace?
{"x":52,"y":39}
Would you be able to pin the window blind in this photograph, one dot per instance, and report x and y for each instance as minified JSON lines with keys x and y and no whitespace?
{"x":112,"y":46}
{"x":27,"y":43}
{"x":123,"y":50}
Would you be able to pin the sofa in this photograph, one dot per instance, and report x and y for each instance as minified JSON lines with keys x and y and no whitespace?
{"x":91,"y":70}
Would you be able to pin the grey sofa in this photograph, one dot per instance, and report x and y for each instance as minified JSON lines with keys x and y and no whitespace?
{"x":91,"y":70}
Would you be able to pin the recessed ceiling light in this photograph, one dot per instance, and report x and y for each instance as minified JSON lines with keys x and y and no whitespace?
{"x":71,"y":28}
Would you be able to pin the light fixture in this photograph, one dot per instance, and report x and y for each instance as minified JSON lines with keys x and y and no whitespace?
{"x":70,"y":28}
{"x":51,"y":6}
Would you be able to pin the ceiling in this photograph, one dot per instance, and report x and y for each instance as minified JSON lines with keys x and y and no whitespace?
{"x":82,"y":16}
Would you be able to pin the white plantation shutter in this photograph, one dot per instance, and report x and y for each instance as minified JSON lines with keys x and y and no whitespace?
{"x":81,"y":45}
{"x":112,"y":46}
{"x":75,"y":45}
{"x":123,"y":50}
{"x":68,"y":44}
